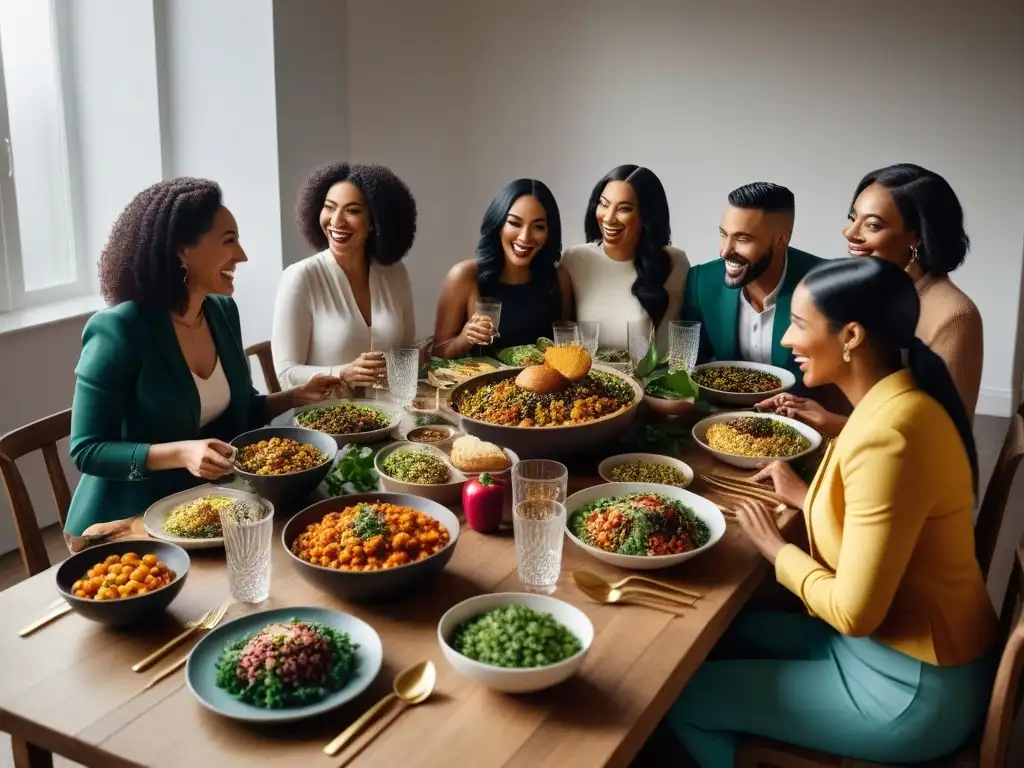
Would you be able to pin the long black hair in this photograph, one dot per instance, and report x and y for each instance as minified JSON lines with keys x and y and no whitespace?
{"x":881,"y":297}
{"x":653,"y":265}
{"x":490,"y":255}
{"x":930,"y":208}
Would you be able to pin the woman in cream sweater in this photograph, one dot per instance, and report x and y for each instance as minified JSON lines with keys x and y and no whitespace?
{"x":338,"y":310}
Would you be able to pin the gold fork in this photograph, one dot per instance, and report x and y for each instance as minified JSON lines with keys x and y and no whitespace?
{"x":208,"y":621}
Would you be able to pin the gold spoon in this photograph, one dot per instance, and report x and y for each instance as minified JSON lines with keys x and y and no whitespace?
{"x":607,"y":594}
{"x":593,"y":580}
{"x":411,"y":686}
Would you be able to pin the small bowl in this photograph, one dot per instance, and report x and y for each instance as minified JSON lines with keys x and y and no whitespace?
{"x":700,"y":430}
{"x":746,"y":399}
{"x":125,"y":611}
{"x":604,"y":469}
{"x":443,"y":493}
{"x":294,"y":486}
{"x":157,"y":514}
{"x":451,"y":433}
{"x":370,"y":436}
{"x":516,"y":680}
{"x":704,"y":509}
{"x":368,"y":585}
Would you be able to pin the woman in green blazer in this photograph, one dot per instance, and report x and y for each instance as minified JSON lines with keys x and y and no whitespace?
{"x":163,"y":381}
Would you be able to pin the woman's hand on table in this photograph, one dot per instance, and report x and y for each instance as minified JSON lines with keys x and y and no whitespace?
{"x":789,"y":486}
{"x":758,"y":523}
{"x":317,"y":389}
{"x":806,"y":410}
{"x":365,"y":371}
{"x":478,"y":331}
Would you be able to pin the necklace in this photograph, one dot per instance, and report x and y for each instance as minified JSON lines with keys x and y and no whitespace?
{"x":192,"y":328}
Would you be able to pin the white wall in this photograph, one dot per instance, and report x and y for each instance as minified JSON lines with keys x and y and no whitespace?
{"x":710,"y":96}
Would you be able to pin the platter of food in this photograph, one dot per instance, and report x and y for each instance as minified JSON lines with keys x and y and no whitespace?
{"x":191,"y":519}
{"x":443,"y":373}
{"x":283,"y":665}
{"x":348,"y":421}
{"x":746,"y":440}
{"x":739,"y":383}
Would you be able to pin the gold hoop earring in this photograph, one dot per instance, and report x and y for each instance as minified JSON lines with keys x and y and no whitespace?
{"x":846,"y":354}
{"x":184,"y":268}
{"x":913,"y":258}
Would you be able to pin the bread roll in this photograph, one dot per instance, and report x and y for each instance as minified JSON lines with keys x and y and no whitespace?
{"x":471,"y":454}
{"x":541,"y":380}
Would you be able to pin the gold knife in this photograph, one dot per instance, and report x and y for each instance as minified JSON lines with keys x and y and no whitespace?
{"x":53,"y":615}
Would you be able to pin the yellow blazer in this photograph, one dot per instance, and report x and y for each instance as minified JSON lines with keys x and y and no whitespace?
{"x":889,"y":521}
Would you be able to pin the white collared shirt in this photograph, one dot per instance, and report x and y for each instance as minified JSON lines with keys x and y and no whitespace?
{"x":755,"y":328}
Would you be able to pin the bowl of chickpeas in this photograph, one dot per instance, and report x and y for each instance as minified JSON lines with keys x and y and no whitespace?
{"x":371,"y":545}
{"x":123,"y":582}
{"x":284,"y":464}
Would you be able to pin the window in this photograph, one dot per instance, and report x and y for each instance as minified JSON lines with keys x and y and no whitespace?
{"x":39,"y":262}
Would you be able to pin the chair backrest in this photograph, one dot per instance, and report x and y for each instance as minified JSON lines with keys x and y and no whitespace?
{"x":1002,"y":707}
{"x":993,"y":505}
{"x":42,"y":435}
{"x":263,"y":353}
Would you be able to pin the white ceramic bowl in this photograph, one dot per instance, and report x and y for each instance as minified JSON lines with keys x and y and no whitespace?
{"x":750,"y":462}
{"x":157,"y":514}
{"x":702,"y":508}
{"x":444,"y":493}
{"x":516,"y":680}
{"x":604,"y":469}
{"x":746,"y":398}
{"x":372,"y":436}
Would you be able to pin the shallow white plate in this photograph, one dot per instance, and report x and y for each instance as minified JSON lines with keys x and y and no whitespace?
{"x":156,"y":515}
{"x":289,"y":419}
{"x":702,"y":508}
{"x":746,"y":398}
{"x":700,"y":430}
{"x":604,"y":469}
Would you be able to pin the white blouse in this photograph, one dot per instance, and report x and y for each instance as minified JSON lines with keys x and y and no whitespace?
{"x":602,"y":288}
{"x":318,"y":326}
{"x":214,"y":394}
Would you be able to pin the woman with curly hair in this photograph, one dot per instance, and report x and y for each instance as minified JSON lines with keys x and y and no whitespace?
{"x":163,"y":380}
{"x":516,"y":263}
{"x":627,"y":270}
{"x":338,"y":310}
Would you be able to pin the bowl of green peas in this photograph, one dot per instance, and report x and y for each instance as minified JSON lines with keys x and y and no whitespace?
{"x":515,"y":642}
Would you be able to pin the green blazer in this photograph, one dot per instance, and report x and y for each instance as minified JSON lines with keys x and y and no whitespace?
{"x":133,"y":389}
{"x":707,"y":299}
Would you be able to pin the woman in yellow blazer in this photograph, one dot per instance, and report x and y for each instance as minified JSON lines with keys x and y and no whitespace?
{"x":893,"y":661}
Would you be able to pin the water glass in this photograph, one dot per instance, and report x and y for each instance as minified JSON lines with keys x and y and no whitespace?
{"x":382,"y":377}
{"x":247,"y":547}
{"x":683,"y":345}
{"x":491,"y":309}
{"x":590,"y":335}
{"x":403,"y":373}
{"x":639,"y":338}
{"x":565,"y":332}
{"x":539,"y":479}
{"x":539,"y":529}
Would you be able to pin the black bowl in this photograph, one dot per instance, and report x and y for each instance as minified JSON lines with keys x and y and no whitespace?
{"x":295,"y":486}
{"x":126,"y":610}
{"x":369,"y":585}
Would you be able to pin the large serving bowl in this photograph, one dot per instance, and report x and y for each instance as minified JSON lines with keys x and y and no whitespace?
{"x":156,"y":516}
{"x":368,"y":585}
{"x":516,"y":680}
{"x":371,"y":436}
{"x":548,"y":442}
{"x":700,"y":430}
{"x":442,"y":493}
{"x":702,"y":508}
{"x":294,"y":486}
{"x":126,"y":610}
{"x":746,"y":399}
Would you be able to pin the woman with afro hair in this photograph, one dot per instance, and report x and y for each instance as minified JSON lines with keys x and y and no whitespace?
{"x":626,"y":270}
{"x":163,"y":381}
{"x":340,"y":309}
{"x":517,"y":263}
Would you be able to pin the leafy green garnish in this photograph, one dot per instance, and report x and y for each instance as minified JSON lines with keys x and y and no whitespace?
{"x":658,"y":382}
{"x":354,"y":471}
{"x":369,"y":522}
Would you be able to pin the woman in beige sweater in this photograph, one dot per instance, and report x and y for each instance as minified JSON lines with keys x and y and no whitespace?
{"x":910,"y":216}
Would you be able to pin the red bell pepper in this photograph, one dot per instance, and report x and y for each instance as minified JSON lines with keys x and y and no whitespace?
{"x":483,"y":501}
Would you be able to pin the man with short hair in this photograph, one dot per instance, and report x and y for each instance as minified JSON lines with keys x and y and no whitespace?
{"x":742,"y":300}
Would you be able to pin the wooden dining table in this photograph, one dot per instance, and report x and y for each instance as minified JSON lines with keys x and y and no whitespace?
{"x":69,"y":688}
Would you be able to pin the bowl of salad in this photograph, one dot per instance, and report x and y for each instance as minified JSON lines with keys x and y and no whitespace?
{"x":350,"y":421}
{"x":643,"y":526}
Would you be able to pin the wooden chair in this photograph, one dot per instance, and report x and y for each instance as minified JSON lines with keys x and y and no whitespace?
{"x":42,"y":435}
{"x":265,"y":355}
{"x":997,"y":495}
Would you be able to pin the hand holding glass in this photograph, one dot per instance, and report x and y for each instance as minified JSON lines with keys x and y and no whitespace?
{"x":491,"y":309}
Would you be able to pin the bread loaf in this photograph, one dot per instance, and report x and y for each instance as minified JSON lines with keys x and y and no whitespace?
{"x":471,"y":454}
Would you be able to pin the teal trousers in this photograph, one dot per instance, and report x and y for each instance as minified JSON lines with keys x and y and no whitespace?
{"x":793,"y":678}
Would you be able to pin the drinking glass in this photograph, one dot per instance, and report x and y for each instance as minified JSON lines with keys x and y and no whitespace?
{"x":403,"y":373}
{"x":565,"y":332}
{"x":590,"y":335}
{"x":247,"y":546}
{"x":491,"y":309}
{"x":539,"y":479}
{"x":539,"y":529}
{"x":639,"y":337}
{"x":382,"y":377}
{"x":683,"y":345}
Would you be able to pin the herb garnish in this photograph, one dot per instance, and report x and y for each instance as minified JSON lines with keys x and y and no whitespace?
{"x":369,"y":522}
